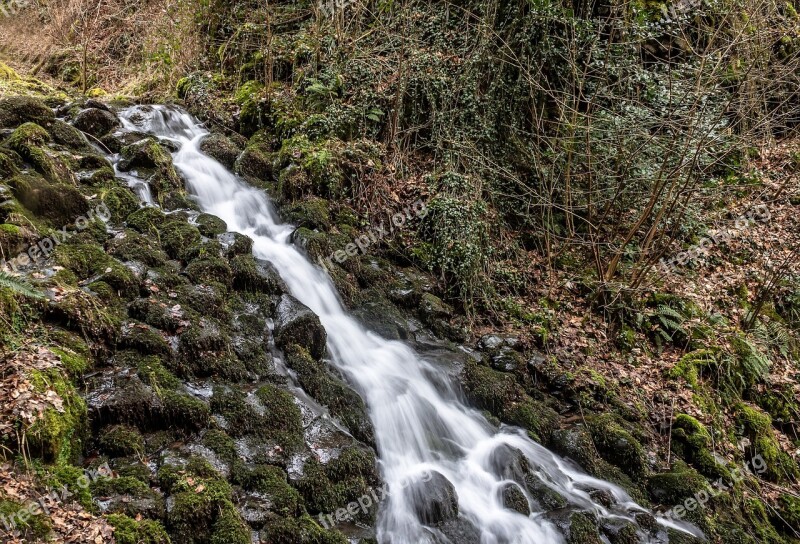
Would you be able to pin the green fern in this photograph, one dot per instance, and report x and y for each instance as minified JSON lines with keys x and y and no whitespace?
{"x":18,"y":286}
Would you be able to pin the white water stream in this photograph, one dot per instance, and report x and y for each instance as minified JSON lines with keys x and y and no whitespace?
{"x":418,"y":427}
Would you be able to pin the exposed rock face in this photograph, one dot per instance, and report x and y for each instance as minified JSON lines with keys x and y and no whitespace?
{"x":295,"y":323}
{"x":220,"y":148}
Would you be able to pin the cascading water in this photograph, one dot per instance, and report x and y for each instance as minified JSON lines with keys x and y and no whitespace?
{"x":420,"y":427}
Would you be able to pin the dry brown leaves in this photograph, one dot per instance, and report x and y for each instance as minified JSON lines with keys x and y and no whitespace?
{"x":69,"y":522}
{"x":20,"y":404}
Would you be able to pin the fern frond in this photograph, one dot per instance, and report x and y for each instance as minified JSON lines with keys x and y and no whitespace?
{"x":18,"y":286}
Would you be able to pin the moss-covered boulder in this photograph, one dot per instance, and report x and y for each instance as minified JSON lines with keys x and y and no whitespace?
{"x":121,"y":202}
{"x":130,"y":531}
{"x":178,"y":238}
{"x":255,"y":165}
{"x":220,"y":148}
{"x":332,"y":391}
{"x":500,"y":394}
{"x":256,"y":275}
{"x":149,"y":158}
{"x":234,"y":244}
{"x":311,"y":212}
{"x":764,"y":451}
{"x":129,"y":245}
{"x":209,"y":269}
{"x":57,"y":203}
{"x":296,"y":324}
{"x":147,"y":220}
{"x":617,"y":445}
{"x":95,"y":121}
{"x":121,"y":440}
{"x":68,"y":136}
{"x":16,"y":110}
{"x":210,"y":225}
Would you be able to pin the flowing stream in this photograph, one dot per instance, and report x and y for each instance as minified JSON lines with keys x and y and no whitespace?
{"x":421,"y":425}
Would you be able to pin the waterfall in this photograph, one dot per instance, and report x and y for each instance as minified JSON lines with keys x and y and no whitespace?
{"x":421,"y":425}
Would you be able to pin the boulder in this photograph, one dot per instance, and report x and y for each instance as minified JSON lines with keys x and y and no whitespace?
{"x":257,"y":275}
{"x":514,"y":499}
{"x":434,"y":501}
{"x":220,"y":148}
{"x":96,"y":121}
{"x":295,"y":323}
{"x":16,"y":110}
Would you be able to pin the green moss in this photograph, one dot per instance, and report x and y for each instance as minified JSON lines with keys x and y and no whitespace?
{"x":672,"y":488}
{"x":178,"y":237}
{"x":144,"y":339}
{"x":303,"y":530}
{"x":147,"y":220}
{"x":691,"y":441}
{"x":132,"y":246}
{"x":122,"y":440}
{"x":155,"y":374}
{"x":757,"y":426}
{"x":185,"y":411}
{"x":210,"y":225}
{"x":74,"y":363}
{"x":789,"y":513}
{"x":34,"y":528}
{"x":618,"y":446}
{"x":342,"y":401}
{"x":130,"y":531}
{"x":121,"y":202}
{"x":58,"y":434}
{"x":272,"y":481}
{"x":74,"y":479}
{"x":57,"y":203}
{"x":312,"y":212}
{"x":89,"y":260}
{"x":583,"y":529}
{"x":209,"y":269}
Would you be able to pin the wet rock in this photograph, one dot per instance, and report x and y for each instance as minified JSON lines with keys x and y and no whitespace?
{"x":295,"y":323}
{"x":116,"y":140}
{"x":434,"y":501}
{"x":506,"y":360}
{"x":149,"y":158}
{"x":578,"y":527}
{"x":67,"y":135}
{"x":459,"y":530}
{"x":514,"y":499}
{"x":220,"y":148}
{"x":383,"y":317}
{"x":330,"y":390}
{"x":210,"y":225}
{"x":543,"y":496}
{"x":576,"y":444}
{"x":96,"y":121}
{"x":255,"y":165}
{"x":58,"y":203}
{"x":16,"y":110}
{"x":257,"y":275}
{"x":509,"y":463}
{"x":620,"y":531}
{"x":490,"y":342}
{"x":234,"y":244}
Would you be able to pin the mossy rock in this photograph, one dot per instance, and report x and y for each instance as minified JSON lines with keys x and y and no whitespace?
{"x":89,"y":260}
{"x":147,"y":220}
{"x":235,"y":244}
{"x":202,"y":512}
{"x":272,"y":481}
{"x":96,"y":121}
{"x":57,"y":434}
{"x":68,"y":136}
{"x":296,"y":324}
{"x":162,"y":314}
{"x":209,"y":269}
{"x":255,"y":165}
{"x":178,"y":238}
{"x":210,"y":225}
{"x":129,"y":245}
{"x":220,"y":148}
{"x":617,"y":445}
{"x":331,"y":391}
{"x":692,"y":441}
{"x":303,"y":530}
{"x":130,"y":531}
{"x":256,"y":275}
{"x":29,"y":142}
{"x":311,"y":212}
{"x":764,"y":447}
{"x":675,"y":486}
{"x":788,"y":514}
{"x":148,"y":157}
{"x":144,"y":339}
{"x":500,"y":394}
{"x":122,"y":440}
{"x":57,"y":203}
{"x":121,"y":202}
{"x":102,"y":177}
{"x":16,"y":110}
{"x":32,"y":529}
